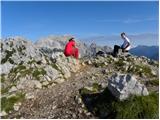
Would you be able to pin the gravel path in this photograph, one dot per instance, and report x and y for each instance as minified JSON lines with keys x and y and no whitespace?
{"x":60,"y":101}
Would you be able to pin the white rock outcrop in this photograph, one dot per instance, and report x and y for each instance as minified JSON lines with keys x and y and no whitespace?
{"x":124,"y":85}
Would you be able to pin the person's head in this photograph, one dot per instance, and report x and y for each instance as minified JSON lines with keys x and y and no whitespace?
{"x":71,"y":39}
{"x":122,"y":34}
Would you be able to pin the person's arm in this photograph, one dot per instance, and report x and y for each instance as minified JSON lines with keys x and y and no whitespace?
{"x":126,"y":38}
{"x":73,"y":44}
{"x":127,"y":41}
{"x":128,"y":44}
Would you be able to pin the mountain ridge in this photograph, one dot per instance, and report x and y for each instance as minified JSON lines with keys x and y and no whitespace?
{"x":64,"y":87}
{"x":151,"y":52}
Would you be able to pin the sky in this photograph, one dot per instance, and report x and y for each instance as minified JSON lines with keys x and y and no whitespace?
{"x":82,"y":19}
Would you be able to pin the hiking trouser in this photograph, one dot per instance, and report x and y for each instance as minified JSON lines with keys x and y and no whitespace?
{"x":116,"y":48}
{"x":74,"y":53}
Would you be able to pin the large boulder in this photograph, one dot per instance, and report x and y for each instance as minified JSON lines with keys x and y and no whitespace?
{"x":67,"y":65}
{"x":52,"y":73}
{"x":124,"y":85}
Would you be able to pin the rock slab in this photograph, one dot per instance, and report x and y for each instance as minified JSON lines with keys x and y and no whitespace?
{"x":124,"y":85}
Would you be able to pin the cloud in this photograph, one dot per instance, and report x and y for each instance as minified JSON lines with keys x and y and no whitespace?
{"x":148,"y":39}
{"x":128,"y":20}
{"x":139,"y":20}
{"x":109,"y":20}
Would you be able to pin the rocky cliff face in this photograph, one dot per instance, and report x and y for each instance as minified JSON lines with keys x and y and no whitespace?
{"x":38,"y":77}
{"x":16,"y":51}
{"x":52,"y":44}
{"x":57,"y":43}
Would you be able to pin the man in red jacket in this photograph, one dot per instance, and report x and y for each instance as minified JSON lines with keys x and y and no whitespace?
{"x":70,"y":49}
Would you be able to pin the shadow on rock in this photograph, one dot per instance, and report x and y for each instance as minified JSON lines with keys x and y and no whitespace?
{"x":99,"y":104}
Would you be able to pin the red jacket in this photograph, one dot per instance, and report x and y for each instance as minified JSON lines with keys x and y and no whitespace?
{"x":69,"y":48}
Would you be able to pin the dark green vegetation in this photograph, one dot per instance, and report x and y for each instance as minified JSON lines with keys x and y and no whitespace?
{"x":4,"y":90}
{"x":55,"y":66}
{"x":96,"y":87}
{"x":24,"y":71}
{"x":11,"y":61}
{"x":2,"y":78}
{"x":120,"y":63}
{"x":99,"y":65}
{"x":139,"y":69}
{"x":8,"y":55}
{"x":105,"y":105}
{"x":19,"y":71}
{"x":31,"y":62}
{"x":8,"y":103}
{"x":18,"y":68}
{"x":21,"y":48}
{"x":153,"y":82}
{"x":38,"y":72}
{"x":16,"y":74}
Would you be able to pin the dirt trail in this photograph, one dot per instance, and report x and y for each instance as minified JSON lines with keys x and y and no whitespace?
{"x":59,"y":101}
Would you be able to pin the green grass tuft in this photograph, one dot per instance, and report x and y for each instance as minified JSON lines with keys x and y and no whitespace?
{"x":85,"y":91}
{"x":18,"y":68}
{"x":105,"y":105}
{"x":119,"y":63}
{"x":8,"y":103}
{"x":38,"y":72}
{"x":30,"y":62}
{"x":153,"y":82}
{"x":55,"y":66}
{"x":96,"y":87}
{"x":139,"y":69}
{"x":2,"y":78}
{"x":4,"y":90}
{"x":99,"y":64}
{"x":137,"y":107}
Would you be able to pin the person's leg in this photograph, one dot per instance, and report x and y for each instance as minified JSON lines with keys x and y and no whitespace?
{"x":116,"y":48}
{"x":66,"y":54}
{"x":123,"y":50}
{"x":76,"y":53}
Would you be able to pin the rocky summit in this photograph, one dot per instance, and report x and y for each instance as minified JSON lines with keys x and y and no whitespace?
{"x":38,"y":81}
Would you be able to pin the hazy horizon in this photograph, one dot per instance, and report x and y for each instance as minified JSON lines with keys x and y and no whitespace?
{"x":110,"y":40}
